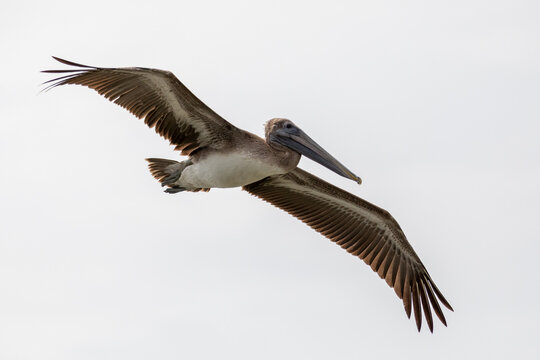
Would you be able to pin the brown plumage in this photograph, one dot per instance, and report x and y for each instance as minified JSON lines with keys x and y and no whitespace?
{"x":159,"y":98}
{"x":362,"y":229}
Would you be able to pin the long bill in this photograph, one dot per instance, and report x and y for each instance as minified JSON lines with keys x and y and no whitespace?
{"x":305,"y":145}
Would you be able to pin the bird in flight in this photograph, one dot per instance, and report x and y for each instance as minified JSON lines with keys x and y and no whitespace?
{"x":220,"y":155}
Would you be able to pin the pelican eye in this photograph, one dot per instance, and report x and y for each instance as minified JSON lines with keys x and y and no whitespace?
{"x":288,"y":126}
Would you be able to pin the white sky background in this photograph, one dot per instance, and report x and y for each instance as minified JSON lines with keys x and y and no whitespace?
{"x":434,"y":104}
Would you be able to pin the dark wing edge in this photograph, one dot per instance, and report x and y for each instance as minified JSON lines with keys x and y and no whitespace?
{"x":156,"y":96}
{"x":362,"y":229}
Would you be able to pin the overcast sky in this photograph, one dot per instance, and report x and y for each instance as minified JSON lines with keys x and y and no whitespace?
{"x":434,"y":104}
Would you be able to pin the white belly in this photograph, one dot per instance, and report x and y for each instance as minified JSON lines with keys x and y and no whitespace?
{"x":226,"y":170}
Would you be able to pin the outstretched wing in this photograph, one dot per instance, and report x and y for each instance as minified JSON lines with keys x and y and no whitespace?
{"x":362,"y":229}
{"x":156,"y":96}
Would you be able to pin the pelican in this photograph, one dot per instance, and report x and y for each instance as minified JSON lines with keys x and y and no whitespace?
{"x":220,"y":155}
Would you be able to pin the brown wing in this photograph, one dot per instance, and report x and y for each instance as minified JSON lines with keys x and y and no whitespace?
{"x":156,"y":96}
{"x":362,"y":229}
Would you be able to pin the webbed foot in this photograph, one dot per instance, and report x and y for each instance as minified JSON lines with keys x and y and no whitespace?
{"x":174,"y":190}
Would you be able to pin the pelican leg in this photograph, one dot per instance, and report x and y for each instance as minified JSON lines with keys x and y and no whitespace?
{"x":175,"y":174}
{"x":171,"y":179}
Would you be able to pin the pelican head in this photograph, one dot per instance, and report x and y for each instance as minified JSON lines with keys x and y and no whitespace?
{"x":283,"y":132}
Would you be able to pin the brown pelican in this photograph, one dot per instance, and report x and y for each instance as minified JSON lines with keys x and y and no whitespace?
{"x":221,"y":155}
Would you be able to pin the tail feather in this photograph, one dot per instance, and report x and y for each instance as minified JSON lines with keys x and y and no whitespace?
{"x":162,"y":168}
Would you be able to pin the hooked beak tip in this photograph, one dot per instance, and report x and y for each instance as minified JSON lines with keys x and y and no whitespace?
{"x":356,"y":179}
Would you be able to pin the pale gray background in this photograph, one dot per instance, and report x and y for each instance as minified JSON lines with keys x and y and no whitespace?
{"x":434,"y":104}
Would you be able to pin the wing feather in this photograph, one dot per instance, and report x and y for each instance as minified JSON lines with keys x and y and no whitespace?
{"x":361,"y":228}
{"x":156,"y":96}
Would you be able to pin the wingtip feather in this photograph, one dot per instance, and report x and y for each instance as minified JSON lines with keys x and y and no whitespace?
{"x":71,"y":63}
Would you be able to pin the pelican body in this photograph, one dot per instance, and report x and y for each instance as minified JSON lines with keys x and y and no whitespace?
{"x":244,"y":159}
{"x":220,"y":155}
